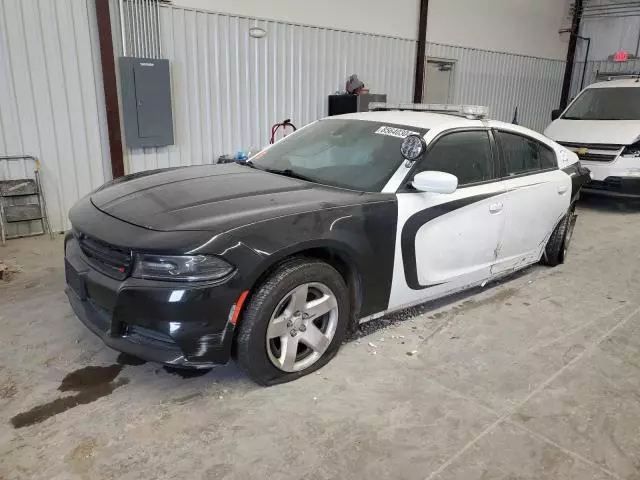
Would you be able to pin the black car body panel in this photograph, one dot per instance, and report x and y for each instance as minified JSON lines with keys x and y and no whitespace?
{"x":580,"y":176}
{"x":213,"y":210}
{"x":216,"y":198}
{"x":623,"y":187}
{"x":362,"y":236}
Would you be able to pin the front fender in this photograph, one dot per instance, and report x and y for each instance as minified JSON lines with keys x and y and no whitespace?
{"x":362,"y":235}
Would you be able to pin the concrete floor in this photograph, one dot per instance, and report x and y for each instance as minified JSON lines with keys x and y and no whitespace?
{"x":535,"y":378}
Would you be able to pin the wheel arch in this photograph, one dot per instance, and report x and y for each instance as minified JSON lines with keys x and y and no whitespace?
{"x":338,"y":255}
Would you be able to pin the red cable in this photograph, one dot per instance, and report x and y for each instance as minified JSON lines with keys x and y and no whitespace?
{"x":284,"y":125}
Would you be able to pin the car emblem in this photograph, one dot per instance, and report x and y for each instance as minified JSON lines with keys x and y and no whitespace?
{"x":582,"y":151}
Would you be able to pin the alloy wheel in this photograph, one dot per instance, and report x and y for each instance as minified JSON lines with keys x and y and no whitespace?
{"x":302,"y":327}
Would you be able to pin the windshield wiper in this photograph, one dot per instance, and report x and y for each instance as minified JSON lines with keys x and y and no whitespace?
{"x":246,"y":163}
{"x":571,"y":118}
{"x":287,"y":172}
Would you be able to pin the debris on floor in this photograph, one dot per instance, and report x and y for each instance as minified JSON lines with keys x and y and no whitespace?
{"x":8,"y":271}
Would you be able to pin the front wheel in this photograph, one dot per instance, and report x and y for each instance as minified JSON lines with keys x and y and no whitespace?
{"x":294,"y":322}
{"x":557,"y":247}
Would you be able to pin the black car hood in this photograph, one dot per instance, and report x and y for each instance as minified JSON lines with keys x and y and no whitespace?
{"x":215,"y":198}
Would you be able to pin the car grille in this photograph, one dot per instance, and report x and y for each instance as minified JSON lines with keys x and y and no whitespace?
{"x":597,"y":152}
{"x":110,"y":260}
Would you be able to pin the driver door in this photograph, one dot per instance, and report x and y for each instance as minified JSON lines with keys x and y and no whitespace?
{"x":446,"y":242}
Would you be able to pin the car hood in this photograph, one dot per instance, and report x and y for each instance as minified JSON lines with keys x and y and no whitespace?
{"x":215,"y":198}
{"x":617,"y":132}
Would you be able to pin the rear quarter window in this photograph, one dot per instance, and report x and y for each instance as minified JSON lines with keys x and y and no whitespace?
{"x":524,"y":155}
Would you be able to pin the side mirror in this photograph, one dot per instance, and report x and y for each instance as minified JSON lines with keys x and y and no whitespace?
{"x":435,"y":182}
{"x":555,"y":114}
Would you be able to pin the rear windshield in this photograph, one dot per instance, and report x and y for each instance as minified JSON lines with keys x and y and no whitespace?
{"x":606,"y":104}
{"x":354,"y":154}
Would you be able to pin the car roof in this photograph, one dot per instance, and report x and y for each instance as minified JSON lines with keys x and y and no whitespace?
{"x":438,"y":122}
{"x":428,"y":120}
{"x":622,"y":82}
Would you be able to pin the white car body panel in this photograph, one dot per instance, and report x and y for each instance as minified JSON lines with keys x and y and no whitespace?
{"x":617,"y":132}
{"x":486,"y":239}
{"x":534,"y":204}
{"x":452,"y":251}
{"x":446,"y":243}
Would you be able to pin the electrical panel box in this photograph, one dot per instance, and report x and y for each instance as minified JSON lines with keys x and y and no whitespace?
{"x":145,"y":85}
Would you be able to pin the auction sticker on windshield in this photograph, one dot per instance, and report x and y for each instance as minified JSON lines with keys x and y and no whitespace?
{"x":395,"y":132}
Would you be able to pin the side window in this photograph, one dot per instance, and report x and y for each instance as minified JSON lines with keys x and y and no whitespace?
{"x":467,"y":155}
{"x":524,"y":155}
{"x":548,"y":157}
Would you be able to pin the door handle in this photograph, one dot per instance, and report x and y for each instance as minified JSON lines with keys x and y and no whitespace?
{"x":562,"y":189}
{"x":495,"y":208}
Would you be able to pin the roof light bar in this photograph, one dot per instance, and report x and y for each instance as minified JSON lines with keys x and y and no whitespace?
{"x":469,"y":111}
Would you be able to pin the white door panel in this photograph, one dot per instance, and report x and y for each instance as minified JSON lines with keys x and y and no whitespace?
{"x":445,"y":251}
{"x":445,"y":242}
{"x":534,"y":205}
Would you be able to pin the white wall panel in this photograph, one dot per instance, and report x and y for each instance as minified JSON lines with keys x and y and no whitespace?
{"x":503,"y":82}
{"x":609,"y":35}
{"x":51,"y":103}
{"x":229,"y":88}
{"x":521,"y":27}
{"x":398,"y":18}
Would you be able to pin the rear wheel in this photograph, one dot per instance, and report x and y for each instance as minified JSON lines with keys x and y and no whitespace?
{"x":294,"y":322}
{"x":558,"y":245}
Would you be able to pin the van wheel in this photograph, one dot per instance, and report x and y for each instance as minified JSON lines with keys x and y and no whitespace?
{"x":294,"y":323}
{"x":558,"y":245}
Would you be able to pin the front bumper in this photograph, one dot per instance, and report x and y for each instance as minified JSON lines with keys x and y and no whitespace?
{"x":623,"y":187}
{"x":178,"y":324}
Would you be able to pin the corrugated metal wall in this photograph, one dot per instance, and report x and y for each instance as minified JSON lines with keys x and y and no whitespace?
{"x":229,"y":88}
{"x":593,"y":68}
{"x":503,"y":82}
{"x":610,"y":33}
{"x":51,"y":102}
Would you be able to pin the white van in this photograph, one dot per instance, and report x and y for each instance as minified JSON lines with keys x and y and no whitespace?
{"x":602,"y":125}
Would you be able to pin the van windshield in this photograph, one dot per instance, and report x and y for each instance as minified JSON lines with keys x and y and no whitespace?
{"x":621,"y":103}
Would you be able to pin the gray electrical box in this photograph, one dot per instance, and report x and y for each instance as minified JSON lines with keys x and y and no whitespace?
{"x":146,"y":102}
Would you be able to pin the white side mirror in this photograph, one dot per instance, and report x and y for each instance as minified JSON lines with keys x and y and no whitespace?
{"x":435,"y":182}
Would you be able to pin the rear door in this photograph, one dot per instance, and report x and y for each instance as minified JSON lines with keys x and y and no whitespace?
{"x":446,"y":242}
{"x":538,"y":196}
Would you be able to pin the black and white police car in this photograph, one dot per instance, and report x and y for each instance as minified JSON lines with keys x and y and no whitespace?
{"x":347,"y":219}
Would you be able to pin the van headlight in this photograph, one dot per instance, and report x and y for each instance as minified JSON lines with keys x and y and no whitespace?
{"x":183,"y":268}
{"x":631,"y":150}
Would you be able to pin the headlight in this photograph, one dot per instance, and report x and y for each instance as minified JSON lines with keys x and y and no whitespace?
{"x":185,"y":268}
{"x":632,"y":150}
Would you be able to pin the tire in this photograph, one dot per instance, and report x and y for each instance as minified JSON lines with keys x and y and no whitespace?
{"x":558,"y":245}
{"x":265,"y":360}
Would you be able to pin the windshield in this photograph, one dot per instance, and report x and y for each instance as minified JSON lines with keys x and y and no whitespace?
{"x":353,"y":154}
{"x":606,"y":104}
